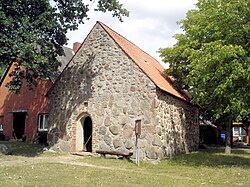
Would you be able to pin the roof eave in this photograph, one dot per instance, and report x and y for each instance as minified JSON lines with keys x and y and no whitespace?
{"x":5,"y":74}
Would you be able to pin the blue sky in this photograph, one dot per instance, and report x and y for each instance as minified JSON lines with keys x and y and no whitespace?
{"x":151,"y":24}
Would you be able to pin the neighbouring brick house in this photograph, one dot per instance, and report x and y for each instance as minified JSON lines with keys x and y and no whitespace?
{"x":26,"y":114}
{"x":108,"y":86}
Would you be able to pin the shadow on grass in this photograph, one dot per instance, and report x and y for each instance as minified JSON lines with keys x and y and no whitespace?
{"x":215,"y":157}
{"x":26,"y":149}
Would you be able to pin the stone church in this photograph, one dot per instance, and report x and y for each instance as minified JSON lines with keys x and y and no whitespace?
{"x":108,"y":86}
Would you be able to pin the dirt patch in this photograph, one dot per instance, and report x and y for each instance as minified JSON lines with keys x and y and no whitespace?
{"x":10,"y":161}
{"x":71,"y":160}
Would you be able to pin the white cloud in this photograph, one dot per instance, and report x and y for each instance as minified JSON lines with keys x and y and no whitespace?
{"x":151,"y":24}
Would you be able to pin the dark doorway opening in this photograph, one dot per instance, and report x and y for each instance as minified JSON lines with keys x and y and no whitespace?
{"x":87,"y":134}
{"x":18,"y":124}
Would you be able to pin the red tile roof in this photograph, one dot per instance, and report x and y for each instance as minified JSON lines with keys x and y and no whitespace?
{"x":151,"y":67}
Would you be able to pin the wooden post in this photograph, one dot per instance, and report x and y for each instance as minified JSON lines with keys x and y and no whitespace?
{"x":248,"y":135}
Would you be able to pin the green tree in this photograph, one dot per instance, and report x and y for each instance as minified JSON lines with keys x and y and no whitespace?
{"x":2,"y":69}
{"x":211,"y":58}
{"x":32,"y":33}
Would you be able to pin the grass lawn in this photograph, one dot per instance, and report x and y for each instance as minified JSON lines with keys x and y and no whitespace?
{"x":30,"y":167}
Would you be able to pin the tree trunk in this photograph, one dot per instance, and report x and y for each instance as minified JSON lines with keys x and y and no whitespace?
{"x":229,"y":137}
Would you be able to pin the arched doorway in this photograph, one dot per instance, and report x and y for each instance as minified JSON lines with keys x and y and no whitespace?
{"x":87,"y":134}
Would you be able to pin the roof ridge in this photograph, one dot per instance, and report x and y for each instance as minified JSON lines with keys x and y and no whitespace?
{"x":131,"y":43}
{"x":118,"y":34}
{"x":5,"y":73}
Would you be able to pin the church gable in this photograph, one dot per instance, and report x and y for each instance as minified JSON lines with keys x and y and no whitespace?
{"x":100,"y":65}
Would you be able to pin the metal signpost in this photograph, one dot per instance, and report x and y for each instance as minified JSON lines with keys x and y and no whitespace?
{"x":137,"y":135}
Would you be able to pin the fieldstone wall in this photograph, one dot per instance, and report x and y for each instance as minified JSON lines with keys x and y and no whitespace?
{"x":177,"y":125}
{"x":104,"y":83}
{"x":175,"y":129}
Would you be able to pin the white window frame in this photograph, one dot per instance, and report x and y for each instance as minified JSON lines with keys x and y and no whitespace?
{"x":41,"y":127}
{"x":1,"y":125}
{"x":240,"y":132}
{"x":236,"y":131}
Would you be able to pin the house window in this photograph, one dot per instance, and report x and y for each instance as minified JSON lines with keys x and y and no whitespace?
{"x":1,"y":123}
{"x":239,"y":134}
{"x":235,"y":131}
{"x":43,"y":122}
{"x":239,"y":131}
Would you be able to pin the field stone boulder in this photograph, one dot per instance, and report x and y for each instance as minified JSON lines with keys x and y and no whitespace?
{"x":6,"y":150}
{"x":152,"y":153}
{"x":129,"y":144}
{"x":157,"y":141}
{"x":107,"y":121}
{"x":122,"y":119}
{"x":64,"y":146}
{"x":104,"y":147}
{"x":117,"y":143}
{"x":115,"y":129}
{"x":102,"y":130}
{"x":107,"y":140}
{"x":127,"y":131}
